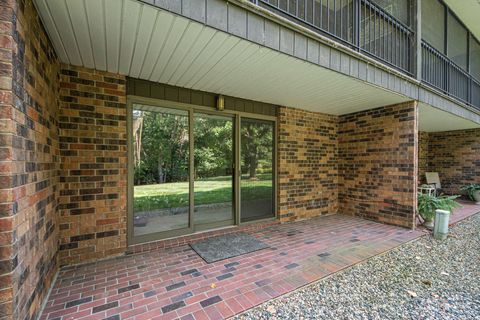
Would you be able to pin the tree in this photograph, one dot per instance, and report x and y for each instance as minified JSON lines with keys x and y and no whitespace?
{"x":257,"y":143}
{"x":137,"y":133}
{"x":161,"y":147}
{"x":213,"y":155}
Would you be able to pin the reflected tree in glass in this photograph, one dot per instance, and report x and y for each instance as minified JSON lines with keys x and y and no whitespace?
{"x":213,"y":169}
{"x":160,"y":152}
{"x":256,"y":185}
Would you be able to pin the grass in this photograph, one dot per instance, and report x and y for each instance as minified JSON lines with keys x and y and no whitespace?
{"x":206,"y":191}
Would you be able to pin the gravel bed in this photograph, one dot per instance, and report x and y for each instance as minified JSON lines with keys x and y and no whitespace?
{"x":423,"y":279}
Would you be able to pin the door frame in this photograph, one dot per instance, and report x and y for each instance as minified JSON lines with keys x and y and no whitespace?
{"x":190,"y":108}
{"x":233,"y":220}
{"x":274,"y":167}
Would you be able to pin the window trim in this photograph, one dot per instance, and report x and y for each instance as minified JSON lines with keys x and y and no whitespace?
{"x":191,"y":108}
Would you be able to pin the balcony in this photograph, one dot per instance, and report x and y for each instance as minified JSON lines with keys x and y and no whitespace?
{"x":386,"y":34}
{"x":360,"y":24}
{"x":443,"y":74}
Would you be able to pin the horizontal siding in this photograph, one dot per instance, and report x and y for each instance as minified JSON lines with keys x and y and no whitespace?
{"x":148,"y":89}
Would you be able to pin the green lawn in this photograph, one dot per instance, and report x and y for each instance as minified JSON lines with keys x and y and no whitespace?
{"x":212,"y":190}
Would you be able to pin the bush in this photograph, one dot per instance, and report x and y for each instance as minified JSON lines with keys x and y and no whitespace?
{"x":470,"y":189}
{"x":427,"y":204}
{"x":143,"y":174}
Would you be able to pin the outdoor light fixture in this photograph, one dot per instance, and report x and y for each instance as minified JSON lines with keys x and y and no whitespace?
{"x":220,"y":103}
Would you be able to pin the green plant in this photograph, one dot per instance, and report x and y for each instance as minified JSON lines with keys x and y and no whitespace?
{"x":428,"y":203}
{"x":471,"y":189}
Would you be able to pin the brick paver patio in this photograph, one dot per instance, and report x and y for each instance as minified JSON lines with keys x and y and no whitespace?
{"x":468,"y":208}
{"x":177,"y":283}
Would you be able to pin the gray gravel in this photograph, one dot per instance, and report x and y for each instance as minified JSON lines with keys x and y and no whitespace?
{"x":423,"y":279}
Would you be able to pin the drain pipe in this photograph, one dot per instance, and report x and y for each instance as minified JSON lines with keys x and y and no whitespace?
{"x":440,"y":230}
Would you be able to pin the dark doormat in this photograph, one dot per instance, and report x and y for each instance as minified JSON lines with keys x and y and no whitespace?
{"x":227,"y":246}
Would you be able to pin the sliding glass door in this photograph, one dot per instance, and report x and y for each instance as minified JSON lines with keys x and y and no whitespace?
{"x":193,"y":170}
{"x":214,"y":170}
{"x":161,"y":152}
{"x":257,"y":169}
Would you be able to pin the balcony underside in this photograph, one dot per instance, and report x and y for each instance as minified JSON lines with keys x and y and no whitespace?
{"x":146,"y":42}
{"x":435,"y":120}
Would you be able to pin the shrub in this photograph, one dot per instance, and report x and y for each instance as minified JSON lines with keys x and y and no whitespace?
{"x":427,"y":204}
{"x":470,"y":189}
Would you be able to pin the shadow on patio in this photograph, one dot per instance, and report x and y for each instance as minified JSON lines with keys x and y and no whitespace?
{"x":177,"y":283}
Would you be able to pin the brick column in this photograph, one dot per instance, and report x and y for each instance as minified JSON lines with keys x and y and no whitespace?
{"x":28,"y":160}
{"x":93,"y":148}
{"x":307,"y":164}
{"x":378,"y":164}
{"x":422,"y":156}
{"x":8,"y":206}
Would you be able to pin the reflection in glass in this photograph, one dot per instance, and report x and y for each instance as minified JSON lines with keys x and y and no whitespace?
{"x":160,"y":152}
{"x":335,"y":17}
{"x":475,"y":58}
{"x":213,"y":161}
{"x":256,"y":186}
{"x":398,"y":9}
{"x":457,"y":42}
{"x":382,"y":38}
{"x":433,"y":24}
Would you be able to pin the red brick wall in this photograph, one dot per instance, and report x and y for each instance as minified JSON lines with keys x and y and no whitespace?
{"x":422,"y":156}
{"x":378,"y":164}
{"x":93,"y":149}
{"x":8,"y":169}
{"x":29,"y":160}
{"x":307,"y":164}
{"x":455,"y":155}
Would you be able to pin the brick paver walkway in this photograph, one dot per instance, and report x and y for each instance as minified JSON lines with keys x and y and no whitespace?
{"x":468,"y":208}
{"x":177,"y":283}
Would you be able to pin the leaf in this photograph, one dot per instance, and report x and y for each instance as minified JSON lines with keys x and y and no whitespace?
{"x":213,"y":286}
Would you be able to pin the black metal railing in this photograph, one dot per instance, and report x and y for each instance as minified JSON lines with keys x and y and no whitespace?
{"x":442,"y":73}
{"x":385,"y":37}
{"x":475,"y":95}
{"x":367,"y":28}
{"x":332,"y":17}
{"x":360,"y":24}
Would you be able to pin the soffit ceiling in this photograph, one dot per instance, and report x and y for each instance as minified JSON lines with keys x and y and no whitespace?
{"x":469,"y":12}
{"x":142,"y":41}
{"x":434,"y":120}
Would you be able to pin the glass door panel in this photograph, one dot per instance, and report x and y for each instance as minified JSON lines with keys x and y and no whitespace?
{"x":257,"y":169}
{"x":161,"y":169}
{"x":213,"y":173}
